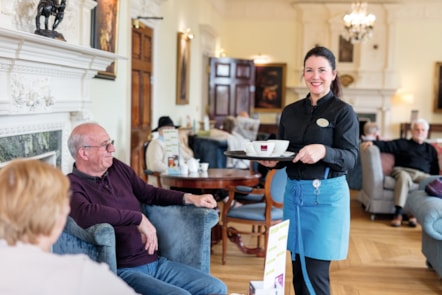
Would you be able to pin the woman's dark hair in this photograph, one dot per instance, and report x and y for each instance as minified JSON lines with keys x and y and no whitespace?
{"x":326,"y":53}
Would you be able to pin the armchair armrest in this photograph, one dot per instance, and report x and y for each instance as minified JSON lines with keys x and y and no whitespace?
{"x":428,"y":211}
{"x":97,"y":241}
{"x":184,"y":233}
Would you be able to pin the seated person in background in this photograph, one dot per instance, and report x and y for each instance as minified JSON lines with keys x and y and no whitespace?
{"x":34,"y":204}
{"x":235,"y":142}
{"x":243,"y":114}
{"x":156,"y":151}
{"x":415,"y":160}
{"x":105,"y":190}
{"x":371,"y":131}
{"x":247,"y":127}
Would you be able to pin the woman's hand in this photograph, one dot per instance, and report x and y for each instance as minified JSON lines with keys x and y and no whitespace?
{"x":310,"y":154}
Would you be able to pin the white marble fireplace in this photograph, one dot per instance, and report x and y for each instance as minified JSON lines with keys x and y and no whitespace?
{"x":44,"y":91}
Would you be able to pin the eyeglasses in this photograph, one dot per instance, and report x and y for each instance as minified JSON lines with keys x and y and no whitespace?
{"x":107,"y":146}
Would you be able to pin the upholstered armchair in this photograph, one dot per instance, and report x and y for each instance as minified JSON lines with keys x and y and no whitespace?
{"x":183,"y":236}
{"x":428,"y":212}
{"x":377,"y":192}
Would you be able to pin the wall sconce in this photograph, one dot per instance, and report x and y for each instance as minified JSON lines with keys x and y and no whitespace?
{"x":222,"y":53}
{"x":404,"y":98}
{"x":136,"y":22}
{"x":188,"y":34}
{"x":261,"y":59}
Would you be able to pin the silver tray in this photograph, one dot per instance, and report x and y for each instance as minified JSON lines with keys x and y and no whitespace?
{"x":286,"y":156}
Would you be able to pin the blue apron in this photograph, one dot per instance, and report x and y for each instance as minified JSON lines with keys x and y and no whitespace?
{"x":319,"y":219}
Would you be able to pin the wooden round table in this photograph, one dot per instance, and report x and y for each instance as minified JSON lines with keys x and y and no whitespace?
{"x":215,"y":178}
{"x":212,"y":179}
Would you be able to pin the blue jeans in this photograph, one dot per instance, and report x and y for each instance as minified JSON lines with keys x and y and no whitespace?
{"x":167,"y":277}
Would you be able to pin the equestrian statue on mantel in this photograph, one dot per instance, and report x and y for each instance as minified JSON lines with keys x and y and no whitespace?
{"x":48,"y":8}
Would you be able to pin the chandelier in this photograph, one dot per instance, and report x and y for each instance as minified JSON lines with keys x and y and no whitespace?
{"x":358,"y":25}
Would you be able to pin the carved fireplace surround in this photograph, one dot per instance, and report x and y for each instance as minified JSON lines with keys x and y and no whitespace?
{"x":45,"y":90}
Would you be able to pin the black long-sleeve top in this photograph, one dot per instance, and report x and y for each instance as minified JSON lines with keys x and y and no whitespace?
{"x":333,"y":123}
{"x":410,"y":154}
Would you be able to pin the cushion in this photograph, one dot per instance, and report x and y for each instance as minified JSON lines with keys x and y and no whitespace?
{"x":387,"y":161}
{"x":389,"y":182}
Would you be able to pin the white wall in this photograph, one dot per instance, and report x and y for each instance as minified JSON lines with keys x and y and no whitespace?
{"x":111,"y":99}
{"x":418,"y":51}
{"x":260,"y":28}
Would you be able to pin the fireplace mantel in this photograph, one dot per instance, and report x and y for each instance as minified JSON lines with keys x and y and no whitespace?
{"x":33,"y":67}
{"x":45,"y":87}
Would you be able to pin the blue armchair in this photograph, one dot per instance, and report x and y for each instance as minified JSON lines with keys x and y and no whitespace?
{"x":428,"y":212}
{"x":179,"y":229}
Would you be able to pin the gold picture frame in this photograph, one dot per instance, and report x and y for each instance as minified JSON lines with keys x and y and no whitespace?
{"x":438,"y":88}
{"x":183,"y":68}
{"x":104,"y":35}
{"x":270,"y":84}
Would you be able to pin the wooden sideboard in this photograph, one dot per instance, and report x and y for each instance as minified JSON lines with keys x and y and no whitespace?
{"x":405,"y":127}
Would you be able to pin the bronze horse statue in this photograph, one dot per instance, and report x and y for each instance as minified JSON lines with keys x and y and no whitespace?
{"x":49,"y":8}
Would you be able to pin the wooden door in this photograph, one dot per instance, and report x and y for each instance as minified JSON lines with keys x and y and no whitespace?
{"x":141,"y":96}
{"x":231,"y":87}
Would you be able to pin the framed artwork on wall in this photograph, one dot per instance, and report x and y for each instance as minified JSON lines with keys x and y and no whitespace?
{"x":270,"y":83}
{"x":438,"y":88}
{"x":104,"y":35}
{"x":346,"y":49}
{"x":183,"y":68}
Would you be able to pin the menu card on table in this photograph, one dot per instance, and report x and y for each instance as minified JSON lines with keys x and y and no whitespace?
{"x":171,"y":141}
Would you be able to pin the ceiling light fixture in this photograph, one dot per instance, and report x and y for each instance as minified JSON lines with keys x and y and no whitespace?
{"x":358,"y":25}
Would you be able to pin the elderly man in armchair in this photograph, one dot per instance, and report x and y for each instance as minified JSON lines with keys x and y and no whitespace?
{"x":105,"y":190}
{"x":415,"y":160}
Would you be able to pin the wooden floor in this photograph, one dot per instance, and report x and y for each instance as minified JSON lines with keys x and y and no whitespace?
{"x":382,"y":260}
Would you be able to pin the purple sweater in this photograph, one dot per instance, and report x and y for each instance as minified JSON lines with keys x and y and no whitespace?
{"x":115,"y":198}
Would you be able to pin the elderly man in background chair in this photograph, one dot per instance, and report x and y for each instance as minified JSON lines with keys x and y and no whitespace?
{"x":105,"y":190}
{"x":415,"y":160}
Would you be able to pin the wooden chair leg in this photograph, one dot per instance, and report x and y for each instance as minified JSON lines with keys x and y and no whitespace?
{"x":224,"y":238}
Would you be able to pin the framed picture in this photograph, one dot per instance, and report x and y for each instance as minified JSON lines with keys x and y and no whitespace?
{"x":270,"y":81}
{"x":346,"y":49}
{"x":438,"y":88}
{"x":183,"y":68}
{"x":104,"y":24}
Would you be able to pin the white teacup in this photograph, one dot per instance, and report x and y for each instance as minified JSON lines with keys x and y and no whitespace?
{"x":249,"y":149}
{"x":263,"y":148}
{"x":280,"y":146}
{"x":204,"y":166}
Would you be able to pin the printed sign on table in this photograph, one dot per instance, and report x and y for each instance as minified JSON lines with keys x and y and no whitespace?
{"x":171,"y":141}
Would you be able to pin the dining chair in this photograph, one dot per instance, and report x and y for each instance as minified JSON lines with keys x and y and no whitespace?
{"x":148,"y":172}
{"x":260,"y":215}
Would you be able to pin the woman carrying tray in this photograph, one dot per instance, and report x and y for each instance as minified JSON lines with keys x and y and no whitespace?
{"x":323,"y":132}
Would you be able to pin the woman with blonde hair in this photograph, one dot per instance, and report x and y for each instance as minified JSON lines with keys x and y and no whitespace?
{"x":34,"y":204}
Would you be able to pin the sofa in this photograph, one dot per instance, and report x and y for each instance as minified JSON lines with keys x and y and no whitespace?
{"x":428,"y":212}
{"x":184,"y":235}
{"x":377,"y":191}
